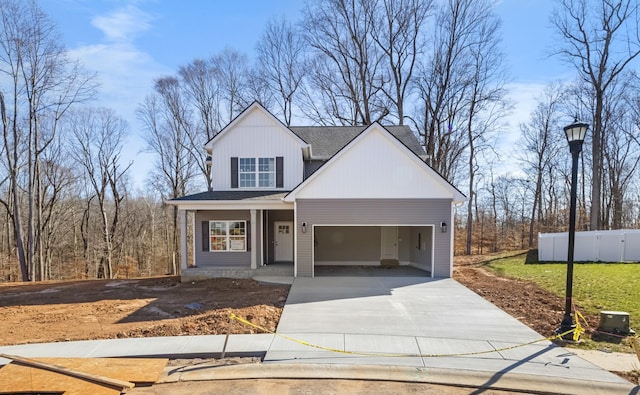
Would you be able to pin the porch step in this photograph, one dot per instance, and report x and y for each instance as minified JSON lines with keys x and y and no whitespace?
{"x":204,"y":273}
{"x":275,"y":269}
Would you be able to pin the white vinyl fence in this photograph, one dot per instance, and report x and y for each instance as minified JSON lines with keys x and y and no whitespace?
{"x":595,"y":246}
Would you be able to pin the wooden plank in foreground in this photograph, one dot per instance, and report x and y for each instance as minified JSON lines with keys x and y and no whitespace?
{"x":16,"y":377}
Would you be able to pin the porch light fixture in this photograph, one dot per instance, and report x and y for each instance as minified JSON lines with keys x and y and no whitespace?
{"x":208,"y":161}
{"x":304,"y":227}
{"x":575,"y":137}
{"x":443,"y":227}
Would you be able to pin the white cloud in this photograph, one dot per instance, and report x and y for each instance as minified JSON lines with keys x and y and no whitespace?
{"x":125,"y":74}
{"x":123,"y":24}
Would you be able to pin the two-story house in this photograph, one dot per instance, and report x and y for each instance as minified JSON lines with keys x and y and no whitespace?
{"x":315,"y":196}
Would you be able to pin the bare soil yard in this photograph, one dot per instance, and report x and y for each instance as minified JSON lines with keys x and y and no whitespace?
{"x":103,"y":309}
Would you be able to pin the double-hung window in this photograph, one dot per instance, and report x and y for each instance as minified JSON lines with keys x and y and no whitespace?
{"x":227,"y":235}
{"x":257,"y":172}
{"x":247,"y":172}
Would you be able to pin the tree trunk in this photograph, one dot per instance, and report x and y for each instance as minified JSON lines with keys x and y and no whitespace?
{"x":596,"y":170}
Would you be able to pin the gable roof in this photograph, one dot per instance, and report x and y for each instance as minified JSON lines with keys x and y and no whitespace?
{"x":407,"y":171}
{"x":326,"y":141}
{"x":242,"y":116}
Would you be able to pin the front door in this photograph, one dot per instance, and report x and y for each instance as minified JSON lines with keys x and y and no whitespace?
{"x":389,"y":242}
{"x":283,"y":241}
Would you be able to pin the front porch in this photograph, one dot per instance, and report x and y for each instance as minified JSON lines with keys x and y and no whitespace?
{"x":238,"y":238}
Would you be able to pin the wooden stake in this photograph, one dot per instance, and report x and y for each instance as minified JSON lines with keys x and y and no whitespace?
{"x":226,"y":339}
{"x":114,"y":383}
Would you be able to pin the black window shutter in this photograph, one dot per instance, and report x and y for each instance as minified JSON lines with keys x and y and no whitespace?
{"x":205,"y":235}
{"x":279,"y":172}
{"x":234,"y":172}
{"x":248,"y":236}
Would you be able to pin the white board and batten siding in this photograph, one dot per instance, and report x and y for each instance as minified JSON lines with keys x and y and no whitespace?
{"x":406,"y":212}
{"x":256,"y":135}
{"x":379,"y":167}
{"x":595,"y":246}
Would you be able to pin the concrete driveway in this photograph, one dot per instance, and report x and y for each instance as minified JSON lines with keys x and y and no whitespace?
{"x":409,"y":321}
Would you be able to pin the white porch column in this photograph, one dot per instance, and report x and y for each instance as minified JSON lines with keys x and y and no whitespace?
{"x":254,"y":245}
{"x":261,"y":216}
{"x":182,"y":215}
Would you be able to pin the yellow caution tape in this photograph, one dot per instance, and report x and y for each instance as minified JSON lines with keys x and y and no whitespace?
{"x":369,"y":354}
{"x":579,"y":329}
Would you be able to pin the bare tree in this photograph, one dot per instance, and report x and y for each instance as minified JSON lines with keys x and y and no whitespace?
{"x":44,"y":83}
{"x":10,"y":133}
{"x":57,"y":209}
{"x":600,"y":39}
{"x":486,"y":103}
{"x":399,"y":25}
{"x":541,"y":146}
{"x":621,"y":147}
{"x":166,"y":118}
{"x":201,"y":85}
{"x":348,"y":65}
{"x":458,"y":81}
{"x":445,"y":75}
{"x":281,"y":63}
{"x":232,"y":69}
{"x":98,"y":140}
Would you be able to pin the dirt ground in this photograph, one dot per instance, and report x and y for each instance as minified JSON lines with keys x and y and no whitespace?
{"x":103,"y":309}
{"x":306,"y":387}
{"x":539,"y":309}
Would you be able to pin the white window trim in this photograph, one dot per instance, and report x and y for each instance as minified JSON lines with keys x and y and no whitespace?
{"x":257,"y":172}
{"x":228,"y":236}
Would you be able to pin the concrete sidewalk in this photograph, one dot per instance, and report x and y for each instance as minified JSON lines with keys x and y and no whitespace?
{"x":422,"y":321}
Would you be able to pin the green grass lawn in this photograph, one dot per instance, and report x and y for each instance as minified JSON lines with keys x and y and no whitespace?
{"x":596,"y":286}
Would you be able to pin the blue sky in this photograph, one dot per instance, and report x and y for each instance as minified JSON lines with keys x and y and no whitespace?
{"x":130,"y":43}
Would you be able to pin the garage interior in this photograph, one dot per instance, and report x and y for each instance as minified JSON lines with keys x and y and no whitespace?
{"x":373,"y":250}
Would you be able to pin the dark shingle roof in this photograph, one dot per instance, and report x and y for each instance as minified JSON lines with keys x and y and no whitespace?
{"x":326,"y":141}
{"x":234,"y":195}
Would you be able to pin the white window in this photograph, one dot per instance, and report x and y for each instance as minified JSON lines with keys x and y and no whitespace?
{"x":262,"y":176}
{"x":227,"y":236}
{"x":266,"y":172}
{"x":247,"y":172}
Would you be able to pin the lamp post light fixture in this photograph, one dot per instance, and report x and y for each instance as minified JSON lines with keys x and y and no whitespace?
{"x":575,"y":136}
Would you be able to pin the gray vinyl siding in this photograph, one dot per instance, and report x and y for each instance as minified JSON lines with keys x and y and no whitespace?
{"x":225,"y":259}
{"x":342,"y":243}
{"x":373,"y":212}
{"x":420,"y":252}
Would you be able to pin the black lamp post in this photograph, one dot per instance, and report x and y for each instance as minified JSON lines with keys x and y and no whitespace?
{"x":575,"y":136}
